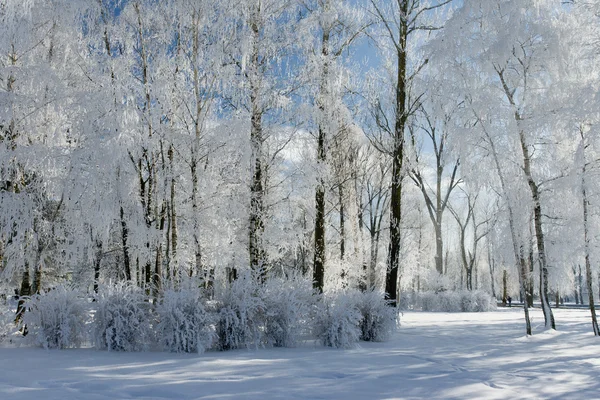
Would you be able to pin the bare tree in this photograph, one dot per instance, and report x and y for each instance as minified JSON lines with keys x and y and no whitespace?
{"x":436,"y":198}
{"x":468,"y":251}
{"x":399,"y":19}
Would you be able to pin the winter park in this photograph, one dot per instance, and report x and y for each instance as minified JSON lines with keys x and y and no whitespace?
{"x":299,"y":199}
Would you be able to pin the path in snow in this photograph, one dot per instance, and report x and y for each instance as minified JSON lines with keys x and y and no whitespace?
{"x":434,"y":356}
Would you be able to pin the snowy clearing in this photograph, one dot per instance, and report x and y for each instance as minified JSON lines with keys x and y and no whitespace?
{"x":434,"y":356}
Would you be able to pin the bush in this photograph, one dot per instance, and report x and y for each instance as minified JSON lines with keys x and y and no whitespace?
{"x":459,"y":301}
{"x":7,"y":324}
{"x":184,"y":324}
{"x":288,"y":302}
{"x":121,"y":322}
{"x":240,"y":315}
{"x":378,"y":320}
{"x":337,"y":321}
{"x":484,"y":302}
{"x":56,"y":319}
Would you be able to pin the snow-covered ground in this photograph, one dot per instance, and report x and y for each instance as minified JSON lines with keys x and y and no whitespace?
{"x":434,"y":356}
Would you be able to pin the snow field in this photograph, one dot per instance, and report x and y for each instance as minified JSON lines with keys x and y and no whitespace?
{"x":433,"y":356}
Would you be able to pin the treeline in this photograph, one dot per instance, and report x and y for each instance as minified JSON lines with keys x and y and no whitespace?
{"x":373,"y":145}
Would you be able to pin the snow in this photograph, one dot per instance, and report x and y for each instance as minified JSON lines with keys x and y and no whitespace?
{"x":434,"y":356}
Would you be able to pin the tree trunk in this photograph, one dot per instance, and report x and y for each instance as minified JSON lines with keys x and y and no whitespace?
{"x":586,"y":240}
{"x":576,"y":285}
{"x":391,"y":278}
{"x":172,"y":219}
{"x":539,"y":233}
{"x":580,"y":284}
{"x":504,"y":287}
{"x":529,"y":281}
{"x":24,"y":292}
{"x":342,"y":222}
{"x":124,"y":236}
{"x":492,"y":267}
{"x":256,"y":222}
{"x":522,"y":290}
{"x":517,"y":247}
{"x":97,"y":264}
{"x":319,"y":256}
{"x":439,"y":245}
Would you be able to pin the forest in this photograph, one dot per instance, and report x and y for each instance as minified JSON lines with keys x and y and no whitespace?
{"x":282,"y":155}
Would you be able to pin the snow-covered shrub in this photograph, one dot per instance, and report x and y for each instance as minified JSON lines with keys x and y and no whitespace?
{"x":240,"y":315}
{"x":459,"y":301}
{"x":7,"y":323}
{"x":407,"y":300}
{"x":378,"y":320}
{"x":287,"y":302}
{"x":122,"y":318}
{"x":484,"y":301}
{"x":184,"y":323}
{"x":56,"y":319}
{"x":337,"y":320}
{"x":441,"y":301}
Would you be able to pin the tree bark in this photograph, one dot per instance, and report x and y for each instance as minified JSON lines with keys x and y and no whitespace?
{"x":319,"y":256}
{"x":586,"y":239}
{"x":97,"y":264}
{"x":124,"y":236}
{"x":539,"y":233}
{"x":391,"y":278}
{"x":492,"y":267}
{"x":256,"y":222}
{"x":24,"y":291}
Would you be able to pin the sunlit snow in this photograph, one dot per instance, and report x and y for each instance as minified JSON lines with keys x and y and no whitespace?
{"x":434,"y":356}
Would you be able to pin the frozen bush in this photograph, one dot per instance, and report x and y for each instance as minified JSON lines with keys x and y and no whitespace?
{"x":378,"y":320}
{"x":121,"y":321}
{"x":240,"y":315}
{"x":56,"y":319}
{"x":337,"y":320}
{"x":288,"y":302}
{"x":459,"y":301}
{"x":184,"y":324}
{"x":7,"y":323}
{"x":407,"y":300}
{"x":468,"y":302}
{"x":484,"y":301}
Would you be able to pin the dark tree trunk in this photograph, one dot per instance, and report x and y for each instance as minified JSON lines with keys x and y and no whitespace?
{"x":97,"y":264}
{"x":391,"y":278}
{"x":256,"y":222}
{"x":342,"y":223}
{"x":504,"y":287}
{"x":492,"y":267}
{"x":529,"y":281}
{"x":523,"y":269}
{"x":539,"y":233}
{"x":344,"y":273}
{"x":124,"y":236}
{"x":576,"y":286}
{"x":319,"y":255}
{"x":24,"y":292}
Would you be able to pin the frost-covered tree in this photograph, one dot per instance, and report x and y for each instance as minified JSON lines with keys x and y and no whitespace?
{"x":399,"y":23}
{"x":437,"y":195}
